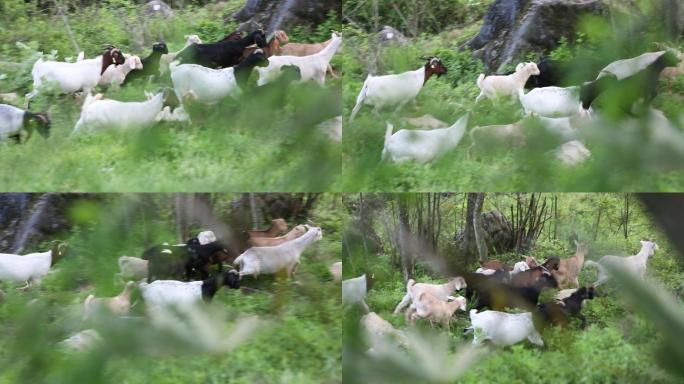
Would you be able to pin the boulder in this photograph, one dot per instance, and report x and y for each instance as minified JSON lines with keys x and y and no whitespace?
{"x":158,"y":8}
{"x":389,"y":35}
{"x":512,"y":28}
{"x":273,"y":15}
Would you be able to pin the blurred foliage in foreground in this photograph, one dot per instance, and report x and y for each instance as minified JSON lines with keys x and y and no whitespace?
{"x":634,"y":327}
{"x":285,"y":331}
{"x":626,"y":153}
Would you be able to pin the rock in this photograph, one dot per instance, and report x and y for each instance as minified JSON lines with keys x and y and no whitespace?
{"x":158,"y":8}
{"x":31,"y":218}
{"x":498,"y":233}
{"x":389,"y":35}
{"x":513,"y":28}
{"x":273,"y":15}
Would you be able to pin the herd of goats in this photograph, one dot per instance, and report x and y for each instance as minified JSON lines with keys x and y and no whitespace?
{"x":497,"y":287}
{"x":203,"y":74}
{"x":564,"y":110}
{"x":176,"y":276}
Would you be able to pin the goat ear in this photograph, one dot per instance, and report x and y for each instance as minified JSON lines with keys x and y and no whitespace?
{"x":519,"y":66}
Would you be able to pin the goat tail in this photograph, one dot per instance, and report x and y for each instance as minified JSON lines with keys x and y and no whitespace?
{"x":360,"y":99}
{"x":480,"y":79}
{"x":472,"y":312}
{"x":409,"y":284}
{"x":591,"y":263}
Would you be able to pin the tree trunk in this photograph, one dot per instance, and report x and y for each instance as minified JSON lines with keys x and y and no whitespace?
{"x":477,"y":228}
{"x":405,"y":246}
{"x":181,"y":210}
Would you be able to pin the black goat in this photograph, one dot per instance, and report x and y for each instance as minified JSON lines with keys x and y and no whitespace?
{"x":150,"y":64}
{"x":560,"y":313}
{"x":221,"y":54}
{"x":210,"y":286}
{"x":589,"y":91}
{"x":244,"y":70}
{"x":497,"y":295}
{"x":621,"y":95}
{"x":184,"y":261}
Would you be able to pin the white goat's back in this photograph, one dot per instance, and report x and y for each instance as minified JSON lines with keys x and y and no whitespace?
{"x":208,"y":85}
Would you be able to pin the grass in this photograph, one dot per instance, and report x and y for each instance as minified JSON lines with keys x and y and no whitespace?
{"x":621,"y":160}
{"x":235,"y":146}
{"x":297,"y":340}
{"x":617,"y":345}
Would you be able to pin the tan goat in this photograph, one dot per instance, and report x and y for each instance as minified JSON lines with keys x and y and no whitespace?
{"x":273,"y":241}
{"x":300,"y":49}
{"x":436,"y":310}
{"x":277,"y":226}
{"x":569,"y":269}
{"x":117,"y":305}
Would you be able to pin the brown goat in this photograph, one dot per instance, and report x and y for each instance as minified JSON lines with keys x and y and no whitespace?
{"x":569,"y":269}
{"x":494,"y":264}
{"x":300,"y":49}
{"x":530,"y":277}
{"x":277,"y":226}
{"x":279,"y":38}
{"x":296,"y":232}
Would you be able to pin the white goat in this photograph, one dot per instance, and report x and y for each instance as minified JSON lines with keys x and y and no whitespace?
{"x":635,"y":264}
{"x":509,"y":85}
{"x":336,"y":271}
{"x":440,"y":291}
{"x":511,"y":135}
{"x":269,"y":260}
{"x":133,"y":268}
{"x":399,"y":89}
{"x":628,"y":67}
{"x":206,"y":85}
{"x":206,"y":237}
{"x":422,"y":145}
{"x":572,"y":153}
{"x":167,"y":58}
{"x":30,"y":268}
{"x":178,"y":114}
{"x":82,"y":341}
{"x":425,"y":121}
{"x":312,"y":67}
{"x":552,"y":101}
{"x":115,"y":75}
{"x":565,"y":127}
{"x":377,"y":329}
{"x":161,"y":293}
{"x":71,"y":77}
{"x":354,"y":292}
{"x":16,"y":122}
{"x":117,"y":305}
{"x":430,"y":307}
{"x":106,"y":113}
{"x":503,"y":328}
{"x":520,"y":266}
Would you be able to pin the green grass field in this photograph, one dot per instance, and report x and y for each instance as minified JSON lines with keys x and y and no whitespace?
{"x":296,"y":339}
{"x":234,"y":146}
{"x":620,"y":160}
